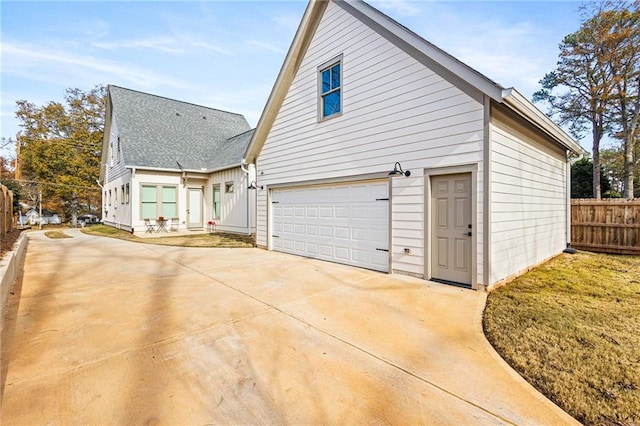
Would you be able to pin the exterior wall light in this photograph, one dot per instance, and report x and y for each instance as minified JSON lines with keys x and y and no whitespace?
{"x":397,"y":171}
{"x":253,"y":185}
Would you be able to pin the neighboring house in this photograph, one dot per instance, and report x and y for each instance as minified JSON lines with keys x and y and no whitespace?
{"x":175,"y":160}
{"x":358,"y":96}
{"x":33,"y":217}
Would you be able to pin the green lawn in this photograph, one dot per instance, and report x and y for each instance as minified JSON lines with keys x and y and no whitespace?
{"x":571,"y":327}
{"x":56,"y":234}
{"x":196,"y":240}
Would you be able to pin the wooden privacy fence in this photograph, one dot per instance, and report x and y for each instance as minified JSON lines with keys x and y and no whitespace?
{"x":6,"y":211}
{"x":606,"y":226}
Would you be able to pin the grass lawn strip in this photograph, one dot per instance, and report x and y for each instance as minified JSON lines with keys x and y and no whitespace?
{"x":222,"y":240}
{"x":56,"y":234}
{"x":572,"y":329}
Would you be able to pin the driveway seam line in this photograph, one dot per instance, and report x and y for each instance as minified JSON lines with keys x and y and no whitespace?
{"x":388,"y":362}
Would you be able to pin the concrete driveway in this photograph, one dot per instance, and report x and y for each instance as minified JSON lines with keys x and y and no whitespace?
{"x":112,"y":332}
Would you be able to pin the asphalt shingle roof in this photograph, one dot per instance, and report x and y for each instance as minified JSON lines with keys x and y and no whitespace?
{"x":160,"y":132}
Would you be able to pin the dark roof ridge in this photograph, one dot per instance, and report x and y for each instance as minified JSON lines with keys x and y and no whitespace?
{"x":175,"y":100}
{"x":240,"y":134}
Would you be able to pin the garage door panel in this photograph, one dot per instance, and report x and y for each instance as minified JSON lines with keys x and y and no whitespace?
{"x":343,"y":223}
{"x":342,"y":253}
{"x":341,"y":213}
{"x":341,"y":232}
{"x":326,"y":212}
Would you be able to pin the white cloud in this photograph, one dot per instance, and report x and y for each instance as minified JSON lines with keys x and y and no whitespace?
{"x":510,"y":54}
{"x":265,"y":46}
{"x":173,"y":45}
{"x":289,"y":21}
{"x":164,"y":44}
{"x":398,"y":7}
{"x":43,"y":64}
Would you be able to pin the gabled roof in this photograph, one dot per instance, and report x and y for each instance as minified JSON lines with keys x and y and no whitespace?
{"x":157,"y":132}
{"x":427,"y":53}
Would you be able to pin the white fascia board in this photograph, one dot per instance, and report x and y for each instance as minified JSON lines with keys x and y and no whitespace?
{"x":301,"y":40}
{"x":521,"y":105}
{"x":105,"y":137}
{"x":447,"y":61}
{"x":198,"y":171}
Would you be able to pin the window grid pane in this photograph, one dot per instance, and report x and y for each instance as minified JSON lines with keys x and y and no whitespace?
{"x":148,"y":194}
{"x":331,"y":103}
{"x":149,"y":210}
{"x":335,"y":76}
{"x":216,"y":202}
{"x":326,"y":81}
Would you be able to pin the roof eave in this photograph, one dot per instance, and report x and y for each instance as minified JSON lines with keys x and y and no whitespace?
{"x":306,"y":29}
{"x":168,"y":170}
{"x":473,"y":77}
{"x":521,"y":105}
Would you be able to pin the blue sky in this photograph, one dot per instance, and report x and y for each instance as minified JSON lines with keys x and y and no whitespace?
{"x":227,"y":54}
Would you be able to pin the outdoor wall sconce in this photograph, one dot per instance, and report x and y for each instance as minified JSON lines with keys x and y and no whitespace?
{"x":397,"y":170}
{"x":253,"y":185}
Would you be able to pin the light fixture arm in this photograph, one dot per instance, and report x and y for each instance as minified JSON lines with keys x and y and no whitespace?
{"x":397,"y":170}
{"x":253,"y":185}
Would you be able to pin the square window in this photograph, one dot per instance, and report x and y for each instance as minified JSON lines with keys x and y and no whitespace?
{"x":331,"y":89}
{"x":228,"y":187}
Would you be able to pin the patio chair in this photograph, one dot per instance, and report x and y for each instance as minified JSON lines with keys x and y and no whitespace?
{"x":174,"y":223}
{"x":149,"y":225}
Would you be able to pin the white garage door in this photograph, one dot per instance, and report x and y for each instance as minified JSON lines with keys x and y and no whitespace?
{"x":345,"y":223}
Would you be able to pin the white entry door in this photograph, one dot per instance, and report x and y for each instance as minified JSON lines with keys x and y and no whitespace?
{"x":451,"y":228}
{"x":345,"y":223}
{"x":194,"y":208}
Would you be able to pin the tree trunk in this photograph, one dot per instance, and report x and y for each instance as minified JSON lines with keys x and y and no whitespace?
{"x":628,"y":169}
{"x":597,"y":135}
{"x":74,"y":211}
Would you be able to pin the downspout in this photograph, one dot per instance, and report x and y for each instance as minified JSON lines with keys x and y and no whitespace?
{"x":570,"y":162}
{"x":244,"y":168}
{"x":101,"y":195}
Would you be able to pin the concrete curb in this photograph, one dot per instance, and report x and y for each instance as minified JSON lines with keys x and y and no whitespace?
{"x":10,"y":269}
{"x":500,"y":362}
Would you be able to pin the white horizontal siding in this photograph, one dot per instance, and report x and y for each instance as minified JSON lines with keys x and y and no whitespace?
{"x":408,"y":219}
{"x":528,"y":208}
{"x":394,"y":109}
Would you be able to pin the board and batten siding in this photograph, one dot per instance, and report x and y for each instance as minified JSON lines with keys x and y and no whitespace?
{"x":115,"y":213}
{"x":236,"y":207}
{"x":528,"y":198}
{"x":394,"y":110}
{"x":114,"y":168}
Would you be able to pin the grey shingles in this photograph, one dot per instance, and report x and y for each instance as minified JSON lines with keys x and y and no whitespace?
{"x":158,"y":132}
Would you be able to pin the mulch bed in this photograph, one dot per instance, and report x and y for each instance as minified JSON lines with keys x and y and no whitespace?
{"x":7,"y":243}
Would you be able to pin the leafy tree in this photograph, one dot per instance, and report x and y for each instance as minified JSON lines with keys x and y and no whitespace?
{"x":592,"y":74}
{"x":622,"y":56}
{"x":60,"y":148}
{"x":613,"y":161}
{"x":17,"y":192}
{"x":582,"y":180}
